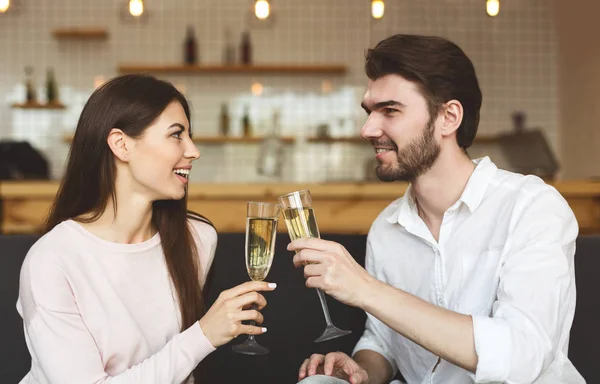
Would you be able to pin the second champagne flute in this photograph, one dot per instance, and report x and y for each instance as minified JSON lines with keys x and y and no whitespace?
{"x":301,"y":223}
{"x":261,"y":230}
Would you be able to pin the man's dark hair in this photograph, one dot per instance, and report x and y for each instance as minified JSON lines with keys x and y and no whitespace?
{"x":440,"y":69}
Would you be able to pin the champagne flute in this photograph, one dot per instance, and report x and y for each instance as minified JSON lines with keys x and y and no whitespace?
{"x":301,"y":222}
{"x":261,"y":230}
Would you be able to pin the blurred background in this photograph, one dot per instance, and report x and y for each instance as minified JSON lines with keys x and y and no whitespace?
{"x":275,"y":86}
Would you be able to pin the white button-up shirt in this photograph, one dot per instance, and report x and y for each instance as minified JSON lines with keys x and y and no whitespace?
{"x":505,"y":257}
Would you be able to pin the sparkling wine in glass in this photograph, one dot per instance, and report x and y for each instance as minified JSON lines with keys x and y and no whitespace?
{"x":301,"y":223}
{"x":261,"y":230}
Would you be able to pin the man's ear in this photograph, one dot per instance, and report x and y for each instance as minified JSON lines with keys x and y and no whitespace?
{"x":452,"y":115}
{"x":118,"y":143}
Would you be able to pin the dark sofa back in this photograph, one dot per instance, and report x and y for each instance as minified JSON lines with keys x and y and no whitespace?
{"x":293,"y":315}
{"x":584,"y":344}
{"x":14,"y":357}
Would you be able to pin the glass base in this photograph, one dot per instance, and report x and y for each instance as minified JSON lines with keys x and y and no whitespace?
{"x":250,"y":347}
{"x":332,"y":332}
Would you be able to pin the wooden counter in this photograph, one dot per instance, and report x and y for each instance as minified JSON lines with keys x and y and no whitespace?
{"x":340,"y":208}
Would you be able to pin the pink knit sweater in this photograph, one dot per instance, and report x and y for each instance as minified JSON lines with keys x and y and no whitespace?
{"x":102,"y":312}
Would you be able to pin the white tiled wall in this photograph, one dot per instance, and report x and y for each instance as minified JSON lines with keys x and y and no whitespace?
{"x":514,"y":55}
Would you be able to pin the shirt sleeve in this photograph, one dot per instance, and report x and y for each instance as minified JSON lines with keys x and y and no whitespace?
{"x":535,"y":297}
{"x":65,"y":350}
{"x":373,"y":337}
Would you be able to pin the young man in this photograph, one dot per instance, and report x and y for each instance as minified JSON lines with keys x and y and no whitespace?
{"x":469,"y":276}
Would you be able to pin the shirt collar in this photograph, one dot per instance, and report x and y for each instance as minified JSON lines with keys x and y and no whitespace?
{"x":472,"y":195}
{"x":406,"y":211}
{"x":478,"y":183}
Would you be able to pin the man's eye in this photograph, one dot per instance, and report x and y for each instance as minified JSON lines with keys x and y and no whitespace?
{"x":389,"y":110}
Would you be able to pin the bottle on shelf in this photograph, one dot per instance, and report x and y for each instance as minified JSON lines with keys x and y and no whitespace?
{"x":246,"y":49}
{"x":229,"y":49}
{"x":30,"y":95}
{"x":224,"y":120}
{"x":518,"y":122}
{"x":190,"y":47}
{"x":270,"y":158}
{"x":246,"y":125}
{"x":51,"y":87}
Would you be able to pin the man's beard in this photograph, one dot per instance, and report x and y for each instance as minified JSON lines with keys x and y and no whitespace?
{"x":413,"y":160}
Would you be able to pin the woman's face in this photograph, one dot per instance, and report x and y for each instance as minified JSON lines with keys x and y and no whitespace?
{"x":161,"y":159}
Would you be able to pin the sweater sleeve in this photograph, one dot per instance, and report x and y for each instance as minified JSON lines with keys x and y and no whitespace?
{"x":205,"y":237}
{"x":65,"y":350}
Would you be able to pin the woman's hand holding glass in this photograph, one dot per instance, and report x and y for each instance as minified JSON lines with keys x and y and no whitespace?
{"x":261,"y":232}
{"x":223,"y":320}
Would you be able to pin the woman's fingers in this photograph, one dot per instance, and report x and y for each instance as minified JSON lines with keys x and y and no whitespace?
{"x":251,"y":314}
{"x":248,"y":299}
{"x":247,"y":287}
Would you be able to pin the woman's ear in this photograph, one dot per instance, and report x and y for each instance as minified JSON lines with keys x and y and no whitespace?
{"x":117,"y":141}
{"x":452,"y":115}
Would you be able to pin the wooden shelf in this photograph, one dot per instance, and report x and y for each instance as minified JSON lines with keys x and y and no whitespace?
{"x":241,"y":140}
{"x":235,"y":69}
{"x":484,"y":139}
{"x":351,"y":140}
{"x":344,"y":207}
{"x":38,"y":106}
{"x":215,"y":140}
{"x":290,"y":140}
{"x":80,"y":33}
{"x":487,"y":139}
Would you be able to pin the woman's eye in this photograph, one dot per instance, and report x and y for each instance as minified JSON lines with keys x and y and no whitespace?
{"x":177,"y":135}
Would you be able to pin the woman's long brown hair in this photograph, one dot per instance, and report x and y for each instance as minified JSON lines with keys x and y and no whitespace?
{"x":130,"y":103}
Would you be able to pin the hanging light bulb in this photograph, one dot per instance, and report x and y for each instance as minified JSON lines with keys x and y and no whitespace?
{"x":262,"y":9}
{"x":492,"y":7}
{"x":136,"y":7}
{"x":377,"y":9}
{"x":257,"y":88}
{"x":4,"y":4}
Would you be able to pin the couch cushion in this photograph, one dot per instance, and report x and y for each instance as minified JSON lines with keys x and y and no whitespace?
{"x":14,"y":356}
{"x":585,"y":332}
{"x":293,"y":315}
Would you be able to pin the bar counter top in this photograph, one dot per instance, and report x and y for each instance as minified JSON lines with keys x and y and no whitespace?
{"x":340,"y":207}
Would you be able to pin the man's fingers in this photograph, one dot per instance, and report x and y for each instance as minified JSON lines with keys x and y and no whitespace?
{"x":315,"y":282}
{"x":313,"y":270}
{"x":360,"y":377}
{"x":308,"y":256}
{"x":330,"y":361}
{"x":313,"y":364}
{"x":302,"y":370}
{"x":312,"y":243}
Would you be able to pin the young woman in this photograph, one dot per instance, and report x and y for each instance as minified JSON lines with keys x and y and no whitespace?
{"x":112,"y":293}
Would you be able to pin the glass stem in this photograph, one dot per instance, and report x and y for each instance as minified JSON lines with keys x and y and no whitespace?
{"x":252,"y":322}
{"x":324,"y":306}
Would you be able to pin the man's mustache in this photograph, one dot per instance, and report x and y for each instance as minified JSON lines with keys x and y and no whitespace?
{"x":384,"y":144}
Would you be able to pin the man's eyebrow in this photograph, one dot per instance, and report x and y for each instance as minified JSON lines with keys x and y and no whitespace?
{"x":383,"y":104}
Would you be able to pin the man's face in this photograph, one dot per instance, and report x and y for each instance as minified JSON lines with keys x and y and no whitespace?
{"x":400,"y":129}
